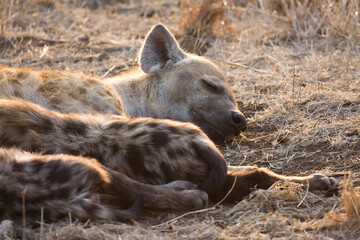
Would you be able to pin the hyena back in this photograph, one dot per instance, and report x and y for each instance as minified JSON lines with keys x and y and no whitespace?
{"x":59,"y":184}
{"x":151,"y":151}
{"x":60,"y":91}
{"x":170,"y":84}
{"x":154,"y":151}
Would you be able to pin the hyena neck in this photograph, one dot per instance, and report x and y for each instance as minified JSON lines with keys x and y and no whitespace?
{"x":139,"y":93}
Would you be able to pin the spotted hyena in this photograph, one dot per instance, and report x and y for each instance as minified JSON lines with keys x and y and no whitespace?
{"x":59,"y":184}
{"x":169,"y":84}
{"x":140,"y":152}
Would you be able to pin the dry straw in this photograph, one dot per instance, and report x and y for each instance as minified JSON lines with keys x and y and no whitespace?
{"x":278,"y":19}
{"x":351,"y":200}
{"x":294,"y":67}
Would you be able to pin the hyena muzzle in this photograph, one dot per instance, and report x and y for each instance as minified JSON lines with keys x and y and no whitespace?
{"x":58,"y":184}
{"x":147,"y":150}
{"x":170,"y":84}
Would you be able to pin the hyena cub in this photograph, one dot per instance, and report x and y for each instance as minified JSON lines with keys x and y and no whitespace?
{"x":60,"y":184}
{"x":170,"y":84}
{"x":148,"y":150}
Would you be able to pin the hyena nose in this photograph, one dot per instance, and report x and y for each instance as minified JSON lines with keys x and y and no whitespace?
{"x":237,"y":120}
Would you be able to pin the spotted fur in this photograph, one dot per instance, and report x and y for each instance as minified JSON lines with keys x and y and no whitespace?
{"x":60,"y":91}
{"x":142,"y":161}
{"x":59,"y":184}
{"x":169,"y":84}
{"x":150,"y":151}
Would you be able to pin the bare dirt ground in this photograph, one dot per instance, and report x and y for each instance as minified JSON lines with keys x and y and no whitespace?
{"x":295,"y":69}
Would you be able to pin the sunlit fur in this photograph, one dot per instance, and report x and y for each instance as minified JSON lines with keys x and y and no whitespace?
{"x":174,"y":89}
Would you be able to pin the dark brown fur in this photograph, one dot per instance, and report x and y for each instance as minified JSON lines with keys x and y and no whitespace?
{"x":140,"y":148}
{"x":60,"y":184}
{"x":147,"y":150}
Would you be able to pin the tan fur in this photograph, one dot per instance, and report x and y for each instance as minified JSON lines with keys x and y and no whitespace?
{"x":170,"y":84}
{"x":61,"y":91}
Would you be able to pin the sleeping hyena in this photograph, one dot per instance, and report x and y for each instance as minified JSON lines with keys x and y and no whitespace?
{"x":140,"y":152}
{"x":60,"y":184}
{"x":170,"y":84}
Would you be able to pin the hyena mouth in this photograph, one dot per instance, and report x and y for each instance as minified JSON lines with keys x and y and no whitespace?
{"x":214,"y":133}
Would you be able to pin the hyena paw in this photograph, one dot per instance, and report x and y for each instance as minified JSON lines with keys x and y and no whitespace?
{"x":322,"y":183}
{"x":180,"y":185}
{"x":195,"y":199}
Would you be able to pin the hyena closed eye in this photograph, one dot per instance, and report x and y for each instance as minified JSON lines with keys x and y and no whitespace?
{"x":147,"y":150}
{"x":59,"y":184}
{"x":170,"y":84}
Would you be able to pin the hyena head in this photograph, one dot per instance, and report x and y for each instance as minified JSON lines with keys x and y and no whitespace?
{"x":192,"y":88}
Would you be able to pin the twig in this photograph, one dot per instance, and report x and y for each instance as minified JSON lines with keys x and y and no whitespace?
{"x":293,"y":86}
{"x":70,"y":219}
{"x":243,"y":66}
{"x":108,"y":71}
{"x":23,"y":194}
{"x":307,"y":191}
{"x":340,"y":174}
{"x":45,"y":49}
{"x":201,"y":210}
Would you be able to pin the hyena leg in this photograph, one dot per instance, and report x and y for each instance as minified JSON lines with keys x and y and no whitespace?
{"x":133,"y":212}
{"x":153,"y":196}
{"x":58,"y":184}
{"x":248,"y":178}
{"x":180,"y":185}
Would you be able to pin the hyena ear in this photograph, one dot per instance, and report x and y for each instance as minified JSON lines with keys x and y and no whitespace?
{"x":160,"y":50}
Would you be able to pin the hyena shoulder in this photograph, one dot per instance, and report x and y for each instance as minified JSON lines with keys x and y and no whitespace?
{"x":60,"y":91}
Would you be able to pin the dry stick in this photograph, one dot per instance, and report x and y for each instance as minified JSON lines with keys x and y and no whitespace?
{"x":355,"y":206}
{"x":307,"y":191}
{"x":346,"y":187}
{"x":70,"y":219}
{"x":201,"y":210}
{"x":23,"y":193}
{"x":243,"y":66}
{"x":4,"y":21}
{"x":108,"y":71}
{"x":293,"y":87}
{"x":341,"y":174}
{"x":349,"y":189}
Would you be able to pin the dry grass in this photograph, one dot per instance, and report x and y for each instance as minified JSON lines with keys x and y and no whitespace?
{"x":199,"y":18}
{"x":295,"y":69}
{"x":273,"y":20}
{"x":351,"y":200}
